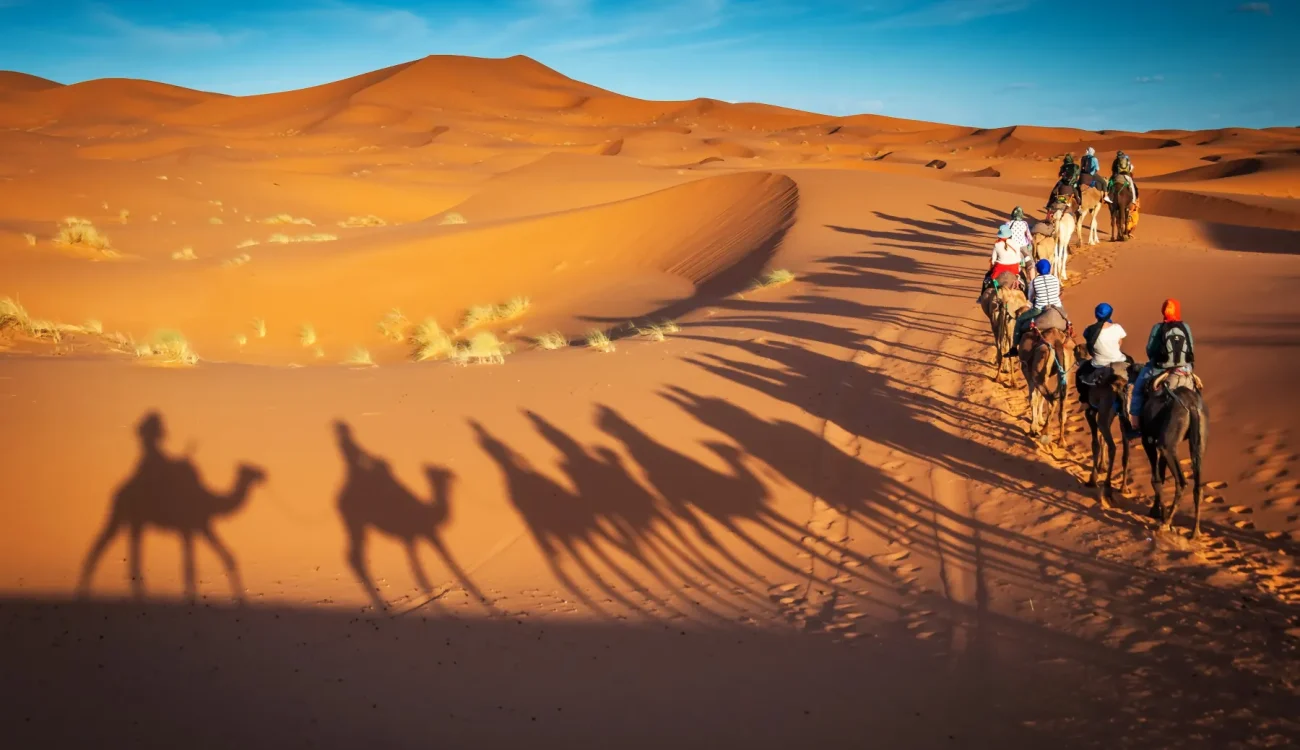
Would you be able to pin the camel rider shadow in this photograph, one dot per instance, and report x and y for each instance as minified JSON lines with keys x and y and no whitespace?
{"x":372,"y":498}
{"x":167,"y":493}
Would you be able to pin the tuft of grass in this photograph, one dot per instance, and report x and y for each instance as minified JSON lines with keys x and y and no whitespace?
{"x":656,"y":331}
{"x":287,"y":219}
{"x":215,"y":220}
{"x":360,"y":357}
{"x":240,"y":340}
{"x":247,"y":243}
{"x":94,"y":326}
{"x":185,"y":253}
{"x":778,"y":277}
{"x":551,"y":340}
{"x":259,"y":327}
{"x":484,"y":348}
{"x":12,"y":313}
{"x":480,"y":314}
{"x":512,"y":309}
{"x":81,"y":233}
{"x":431,"y":342}
{"x":599,"y":341}
{"x":173,"y":348}
{"x":124,"y":215}
{"x":31,"y":239}
{"x":477,"y":315}
{"x":393,"y":325}
{"x":285,"y":239}
{"x":236,"y":261}
{"x":451,"y":217}
{"x":369,"y":220}
{"x":307,"y":335}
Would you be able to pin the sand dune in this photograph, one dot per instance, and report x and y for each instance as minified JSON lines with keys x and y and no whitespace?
{"x":800,"y":513}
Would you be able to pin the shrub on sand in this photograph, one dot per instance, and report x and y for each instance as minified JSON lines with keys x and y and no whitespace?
{"x":451,"y":217}
{"x":259,"y":327}
{"x":775,"y":278}
{"x":369,"y":220}
{"x":477,"y":315}
{"x":31,"y":239}
{"x":284,"y":239}
{"x":307,"y":335}
{"x":12,"y":313}
{"x":516,"y":307}
{"x":394,"y":325}
{"x":241,"y":340}
{"x":77,"y":232}
{"x":551,"y":341}
{"x":431,"y":342}
{"x":236,"y":261}
{"x":657,"y":331}
{"x":480,"y":314}
{"x":185,"y":253}
{"x":599,"y":341}
{"x":359,"y":357}
{"x":124,"y":215}
{"x":483,"y":348}
{"x":173,"y":348}
{"x":287,"y":219}
{"x":93,"y":326}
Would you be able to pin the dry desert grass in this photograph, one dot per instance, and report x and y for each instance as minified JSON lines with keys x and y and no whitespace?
{"x":356,"y":222}
{"x":551,"y":341}
{"x":287,"y":219}
{"x":284,"y":239}
{"x":598,"y":340}
{"x":80,"y":233}
{"x":483,"y":348}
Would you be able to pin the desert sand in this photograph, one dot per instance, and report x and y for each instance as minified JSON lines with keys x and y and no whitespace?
{"x":761,"y":515}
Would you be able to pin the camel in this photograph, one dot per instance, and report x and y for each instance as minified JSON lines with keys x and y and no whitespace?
{"x":1001,"y":305}
{"x":1044,"y":248}
{"x":373,"y":498}
{"x":1175,"y":411}
{"x":1094,"y":200}
{"x":1064,"y":224}
{"x":1123,"y":194}
{"x":1046,"y":356}
{"x":167,"y":493}
{"x":1104,"y":402}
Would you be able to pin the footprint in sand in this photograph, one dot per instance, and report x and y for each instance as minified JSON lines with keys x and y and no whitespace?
{"x":1242,"y":509}
{"x":1290,"y":485}
{"x":1216,"y":485}
{"x":1265,"y":474}
{"x":1282,"y":503}
{"x":892,"y":466}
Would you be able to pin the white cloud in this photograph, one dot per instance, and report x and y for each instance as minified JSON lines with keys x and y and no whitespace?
{"x":180,"y":38}
{"x":949,"y":13}
{"x":1150,"y":79}
{"x":1263,"y":9}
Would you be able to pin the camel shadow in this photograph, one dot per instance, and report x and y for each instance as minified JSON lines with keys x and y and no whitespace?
{"x":372,"y":498}
{"x":167,"y":493}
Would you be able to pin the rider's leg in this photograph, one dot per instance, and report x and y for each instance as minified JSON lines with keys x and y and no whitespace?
{"x":1139,"y":391}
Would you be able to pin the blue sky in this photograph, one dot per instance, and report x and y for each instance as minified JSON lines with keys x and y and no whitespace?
{"x":1150,"y":63}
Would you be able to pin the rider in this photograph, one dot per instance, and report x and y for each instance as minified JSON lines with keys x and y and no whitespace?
{"x":1006,"y":257}
{"x":1044,"y":292}
{"x":1069,"y":173}
{"x":1123,"y":165}
{"x":1089,"y":162}
{"x":1021,"y":237}
{"x":1103,"y":341}
{"x":1169,"y":346}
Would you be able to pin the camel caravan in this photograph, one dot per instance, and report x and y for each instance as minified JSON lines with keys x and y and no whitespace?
{"x":1159,"y":402}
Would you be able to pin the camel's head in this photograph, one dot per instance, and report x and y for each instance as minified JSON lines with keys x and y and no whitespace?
{"x":609,"y":456}
{"x":251,"y":475}
{"x":439,"y":476}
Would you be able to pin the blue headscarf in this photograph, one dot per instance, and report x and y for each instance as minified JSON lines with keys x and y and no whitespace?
{"x":1043,"y":267}
{"x":1104,"y":311}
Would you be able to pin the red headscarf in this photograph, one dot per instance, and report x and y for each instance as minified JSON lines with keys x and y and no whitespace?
{"x":1172,"y":311}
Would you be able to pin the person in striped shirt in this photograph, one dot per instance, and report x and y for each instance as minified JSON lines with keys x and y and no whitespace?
{"x":1044,"y":292}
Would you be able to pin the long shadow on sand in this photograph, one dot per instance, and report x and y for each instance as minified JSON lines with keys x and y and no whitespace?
{"x":167,"y":493}
{"x":373,"y":499}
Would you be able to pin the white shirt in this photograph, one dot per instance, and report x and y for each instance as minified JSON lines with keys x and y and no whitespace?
{"x":1021,"y":237}
{"x":1045,"y":291}
{"x":1005,"y":255}
{"x":1106,"y":351}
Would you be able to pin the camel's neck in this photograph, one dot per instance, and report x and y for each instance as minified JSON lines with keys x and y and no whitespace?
{"x":231,"y":502}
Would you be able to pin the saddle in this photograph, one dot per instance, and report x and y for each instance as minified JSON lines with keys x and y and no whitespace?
{"x":1043,"y":228}
{"x":1007,"y":280}
{"x":1092,"y":181}
{"x":1052,"y":319}
{"x":1100,"y":376}
{"x":1172,"y":380}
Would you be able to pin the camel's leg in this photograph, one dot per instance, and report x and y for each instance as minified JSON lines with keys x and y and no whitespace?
{"x":187,"y":566}
{"x":111,"y":528}
{"x":1107,"y":420}
{"x":1092,"y":235}
{"x":413,"y":556}
{"x":1153,"y":455}
{"x":1197,"y":441}
{"x":1060,"y":412}
{"x":1091,"y":416}
{"x":456,"y":571}
{"x":134,"y":563}
{"x":357,"y":561}
{"x":227,"y":561}
{"x":1180,"y":483}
